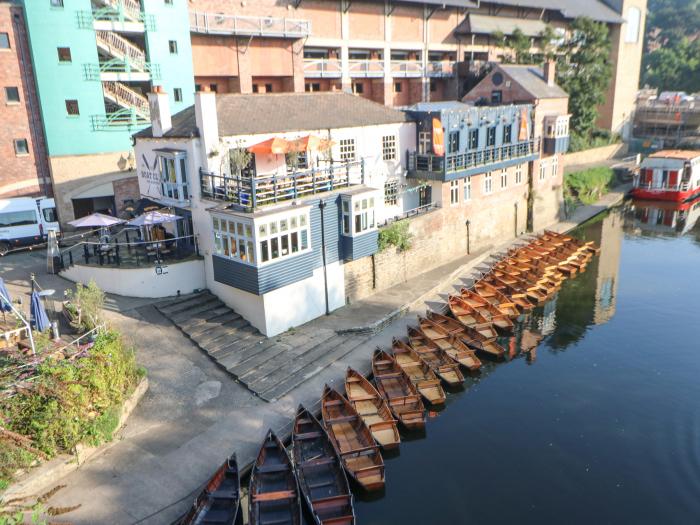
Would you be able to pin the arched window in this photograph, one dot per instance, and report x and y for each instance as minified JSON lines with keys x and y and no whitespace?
{"x":634,"y":18}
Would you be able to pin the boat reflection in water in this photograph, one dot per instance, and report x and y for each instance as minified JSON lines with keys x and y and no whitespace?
{"x":669,"y":219}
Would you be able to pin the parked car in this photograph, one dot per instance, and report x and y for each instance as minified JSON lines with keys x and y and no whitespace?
{"x":25,"y":221}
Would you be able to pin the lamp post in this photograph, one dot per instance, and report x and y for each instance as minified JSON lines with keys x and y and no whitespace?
{"x":322,"y":205}
{"x":468,"y":223}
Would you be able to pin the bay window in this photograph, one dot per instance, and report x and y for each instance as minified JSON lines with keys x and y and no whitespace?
{"x":358,"y":213}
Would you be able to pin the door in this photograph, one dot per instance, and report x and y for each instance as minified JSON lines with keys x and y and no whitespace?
{"x":424,"y":196}
{"x":48,"y":215}
{"x":657,"y":181}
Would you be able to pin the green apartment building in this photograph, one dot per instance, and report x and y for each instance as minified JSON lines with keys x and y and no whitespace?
{"x":94,"y":63}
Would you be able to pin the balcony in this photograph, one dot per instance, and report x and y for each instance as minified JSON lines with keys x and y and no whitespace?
{"x":263,"y":190}
{"x":122,"y":120}
{"x":441,"y":69}
{"x":459,"y":165}
{"x":220,"y":24}
{"x":121,"y":71}
{"x":108,"y":19}
{"x":322,"y":68}
{"x":366,"y":68}
{"x":406,"y":68}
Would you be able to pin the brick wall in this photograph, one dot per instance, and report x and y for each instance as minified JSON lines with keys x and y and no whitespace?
{"x":124,"y":190}
{"x":20,"y":174}
{"x":441,"y":235}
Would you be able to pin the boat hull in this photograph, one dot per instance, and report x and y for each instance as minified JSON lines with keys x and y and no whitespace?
{"x":665,"y":195}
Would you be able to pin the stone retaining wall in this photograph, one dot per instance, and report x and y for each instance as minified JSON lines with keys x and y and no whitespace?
{"x":592,"y":155}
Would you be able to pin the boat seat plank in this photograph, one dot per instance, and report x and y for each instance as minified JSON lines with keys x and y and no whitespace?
{"x":268,"y":469}
{"x":321,"y":484}
{"x":274,"y":496}
{"x":309,"y":435}
{"x":317,"y":462}
{"x":224,"y":494}
{"x":275,"y":521}
{"x":342,"y":419}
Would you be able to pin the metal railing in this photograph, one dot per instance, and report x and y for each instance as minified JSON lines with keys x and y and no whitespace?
{"x":406,"y":68}
{"x":253,"y":192}
{"x":117,"y":121}
{"x":119,"y":47}
{"x":116,"y":66}
{"x":472,"y":159}
{"x":322,"y":68}
{"x":441,"y":68}
{"x":420,"y":210}
{"x":366,"y":68}
{"x":651,"y":186}
{"x":221,"y":24}
{"x":132,"y":8}
{"x":125,"y":96}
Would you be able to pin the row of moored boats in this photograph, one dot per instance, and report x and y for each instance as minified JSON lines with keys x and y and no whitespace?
{"x":355,"y":427}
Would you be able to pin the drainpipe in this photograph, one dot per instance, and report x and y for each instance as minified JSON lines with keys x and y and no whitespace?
{"x":468,"y":223}
{"x":321,"y":206}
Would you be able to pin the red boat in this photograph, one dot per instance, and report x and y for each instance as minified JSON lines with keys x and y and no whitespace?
{"x":670,"y":175}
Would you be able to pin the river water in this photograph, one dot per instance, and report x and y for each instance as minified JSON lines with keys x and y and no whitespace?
{"x":599,"y":424}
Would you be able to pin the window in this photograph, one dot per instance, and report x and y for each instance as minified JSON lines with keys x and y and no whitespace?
{"x":454,"y":192}
{"x":398,"y":87}
{"x":198,"y":87}
{"x":453,"y":144}
{"x":64,"y":54}
{"x":391,"y":192}
{"x":214,"y":87}
{"x":168,"y":2}
{"x":519,"y":174}
{"x":21,"y":147}
{"x":234,"y":239}
{"x":504,"y":179}
{"x":177,"y":92}
{"x":491,"y":136}
{"x":172,"y":46}
{"x":389,"y":147}
{"x":17,"y":218}
{"x":346,"y":218}
{"x":488,"y":183}
{"x":363,"y":212}
{"x":347,"y":150}
{"x":4,"y":41}
{"x":433,"y":86}
{"x":555,"y":166}
{"x":313,"y":86}
{"x":543,"y":169}
{"x":173,"y":173}
{"x":634,"y":18}
{"x":467,"y":189}
{"x":268,"y":88}
{"x":72,"y":107}
{"x":424,"y":142}
{"x":496,"y":96}
{"x":474,"y":139}
{"x":256,"y":89}
{"x":507,"y":133}
{"x":277,"y":238}
{"x":358,"y":88}
{"x":11,"y":95}
{"x":50,"y":214}
{"x":56,"y":3}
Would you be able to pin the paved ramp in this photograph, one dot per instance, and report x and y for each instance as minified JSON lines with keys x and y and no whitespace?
{"x":269,"y":367}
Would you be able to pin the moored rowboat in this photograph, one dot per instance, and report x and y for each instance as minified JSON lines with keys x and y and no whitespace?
{"x":220,"y":500}
{"x":485,"y":308}
{"x":451,"y":344}
{"x":468,"y":316}
{"x":436,"y":358}
{"x":372,"y":408}
{"x":395,"y":386}
{"x":418,"y":371}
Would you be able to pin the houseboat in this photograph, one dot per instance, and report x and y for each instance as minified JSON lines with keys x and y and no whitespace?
{"x":670,"y":175}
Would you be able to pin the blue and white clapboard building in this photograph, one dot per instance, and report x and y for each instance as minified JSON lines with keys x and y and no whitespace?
{"x":281,"y":189}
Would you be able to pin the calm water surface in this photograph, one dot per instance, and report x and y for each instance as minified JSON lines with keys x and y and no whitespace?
{"x":600,"y":424}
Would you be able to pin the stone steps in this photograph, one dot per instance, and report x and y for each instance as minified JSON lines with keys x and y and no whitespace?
{"x":269,"y":367}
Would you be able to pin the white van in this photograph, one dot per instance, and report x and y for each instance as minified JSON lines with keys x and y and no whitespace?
{"x":25,"y":221}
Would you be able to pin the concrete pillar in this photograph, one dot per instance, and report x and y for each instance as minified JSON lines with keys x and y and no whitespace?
{"x":298,"y":65}
{"x":345,"y":80}
{"x":245,"y":77}
{"x":388,"y":78}
{"x":425,"y":94}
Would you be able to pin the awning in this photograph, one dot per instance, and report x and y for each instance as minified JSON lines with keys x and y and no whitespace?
{"x":487,"y":25}
{"x":280,"y":146}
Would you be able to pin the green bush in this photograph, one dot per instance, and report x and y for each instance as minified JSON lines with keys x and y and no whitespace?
{"x":588,"y":185}
{"x":597,"y":139}
{"x":396,"y":234}
{"x":85,"y":306}
{"x":74,"y":401}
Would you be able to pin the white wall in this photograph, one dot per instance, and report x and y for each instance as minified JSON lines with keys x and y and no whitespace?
{"x":184,"y":277}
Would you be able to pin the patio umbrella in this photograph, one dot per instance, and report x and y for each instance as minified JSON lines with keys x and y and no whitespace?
{"x":96,"y":220}
{"x":152,"y":218}
{"x":38,"y":314}
{"x":4,"y":306}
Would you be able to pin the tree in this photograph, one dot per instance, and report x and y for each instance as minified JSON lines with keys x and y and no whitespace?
{"x":584,"y":72}
{"x":518,"y":44}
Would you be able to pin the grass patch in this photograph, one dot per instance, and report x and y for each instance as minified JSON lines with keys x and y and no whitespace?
{"x":587,"y":186}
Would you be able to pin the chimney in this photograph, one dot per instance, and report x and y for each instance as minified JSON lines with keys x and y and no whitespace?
{"x":207,"y":120}
{"x":550,"y":71}
{"x":160,"y":111}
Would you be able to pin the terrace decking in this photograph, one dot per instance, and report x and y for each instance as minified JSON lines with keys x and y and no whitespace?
{"x":269,"y":367}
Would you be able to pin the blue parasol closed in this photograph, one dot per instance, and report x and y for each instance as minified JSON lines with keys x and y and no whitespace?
{"x":38,"y":314}
{"x":4,"y":306}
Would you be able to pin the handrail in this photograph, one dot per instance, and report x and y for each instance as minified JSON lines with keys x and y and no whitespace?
{"x":26,"y":324}
{"x":128,"y":97}
{"x":131,"y":7}
{"x":219,"y":23}
{"x":366,"y":67}
{"x":406,"y":68}
{"x":322,"y":67}
{"x":114,"y":42}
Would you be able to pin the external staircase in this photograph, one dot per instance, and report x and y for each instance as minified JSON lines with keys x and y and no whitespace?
{"x":116,"y":46}
{"x":122,"y":95}
{"x":130,"y":8}
{"x":269,"y":367}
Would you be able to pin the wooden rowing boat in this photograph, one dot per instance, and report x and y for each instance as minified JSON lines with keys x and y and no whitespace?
{"x":442,"y":364}
{"x":353,"y":440}
{"x":450,"y":343}
{"x":372,"y":408}
{"x":490,"y":292}
{"x":274,"y":491}
{"x":476,"y":340}
{"x":468,"y":316}
{"x":421,"y":375}
{"x":398,"y":390}
{"x":535,"y":292}
{"x":220,"y":500}
{"x":590,"y":245}
{"x":450,"y":324}
{"x":322,"y":480}
{"x":485,"y":308}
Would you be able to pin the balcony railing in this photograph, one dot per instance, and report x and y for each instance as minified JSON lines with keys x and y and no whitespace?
{"x":254,"y":192}
{"x":117,"y":19}
{"x":322,"y":68}
{"x":119,"y":121}
{"x":442,"y":68}
{"x":95,"y":71}
{"x":220,"y":24}
{"x":406,"y":68}
{"x":473,"y":159}
{"x":366,"y":68}
{"x":651,"y":186}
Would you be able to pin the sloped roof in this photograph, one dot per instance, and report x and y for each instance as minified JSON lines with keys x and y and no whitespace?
{"x":486,"y":25}
{"x":280,"y":112}
{"x":531,"y":78}
{"x":595,"y":9}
